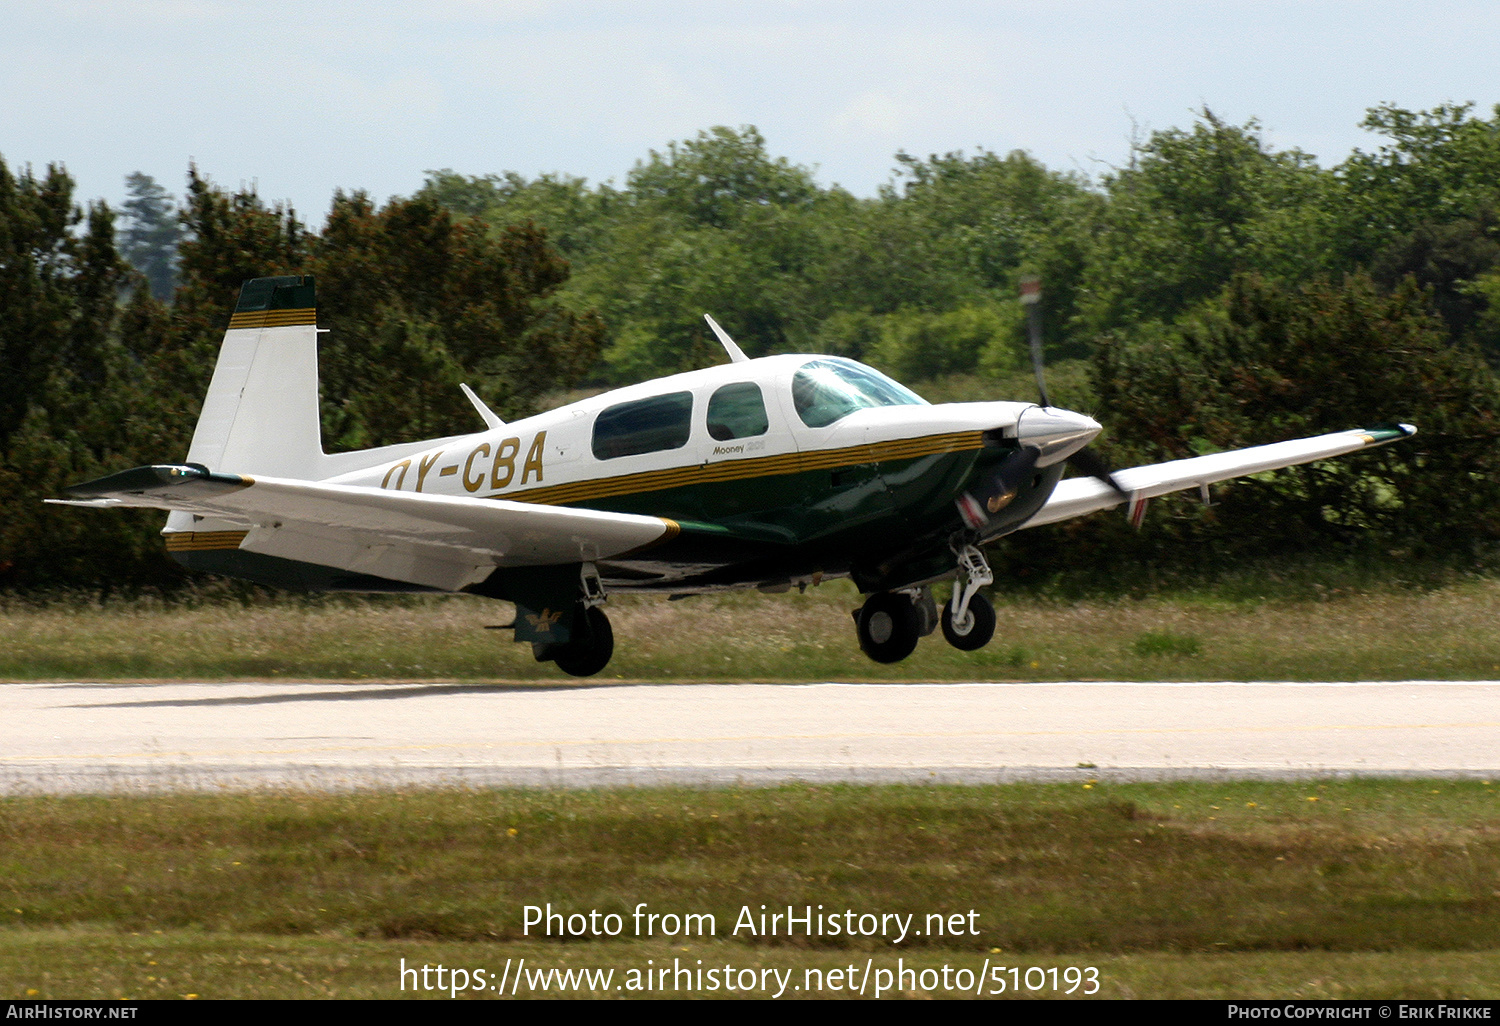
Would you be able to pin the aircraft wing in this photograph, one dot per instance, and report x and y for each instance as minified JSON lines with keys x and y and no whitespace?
{"x":438,"y":541}
{"x":1078,"y":496}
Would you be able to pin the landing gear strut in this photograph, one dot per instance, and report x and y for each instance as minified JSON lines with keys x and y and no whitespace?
{"x":969,"y":619}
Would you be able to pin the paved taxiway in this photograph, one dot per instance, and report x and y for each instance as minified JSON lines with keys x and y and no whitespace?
{"x":64,"y":737}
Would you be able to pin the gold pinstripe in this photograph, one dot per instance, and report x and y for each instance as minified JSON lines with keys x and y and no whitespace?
{"x":204,"y":541}
{"x":273,"y":318}
{"x":738,"y":470}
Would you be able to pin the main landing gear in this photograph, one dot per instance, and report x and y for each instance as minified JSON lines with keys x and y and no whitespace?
{"x":890,"y":623}
{"x":591,"y":642}
{"x":589,"y":649}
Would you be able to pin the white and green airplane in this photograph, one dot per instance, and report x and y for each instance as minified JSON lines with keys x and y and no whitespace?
{"x":771,"y":473}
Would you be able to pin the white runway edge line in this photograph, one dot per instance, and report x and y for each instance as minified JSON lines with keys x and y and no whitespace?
{"x":85,"y":737}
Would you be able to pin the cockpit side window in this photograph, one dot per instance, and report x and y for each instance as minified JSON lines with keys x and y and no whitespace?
{"x":645,"y":425}
{"x":825,"y":391}
{"x":737,"y":411}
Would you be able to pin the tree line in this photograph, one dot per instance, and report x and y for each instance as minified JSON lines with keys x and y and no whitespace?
{"x":1213,"y":292}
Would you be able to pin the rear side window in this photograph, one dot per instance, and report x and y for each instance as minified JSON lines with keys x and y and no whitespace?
{"x":737,"y":411}
{"x":646,"y":425}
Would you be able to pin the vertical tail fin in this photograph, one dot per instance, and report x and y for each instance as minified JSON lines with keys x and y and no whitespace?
{"x":261,"y":411}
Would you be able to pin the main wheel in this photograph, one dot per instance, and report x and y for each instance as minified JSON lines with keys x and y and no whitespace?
{"x":975,"y":630}
{"x":589,"y":649}
{"x":888,"y":627}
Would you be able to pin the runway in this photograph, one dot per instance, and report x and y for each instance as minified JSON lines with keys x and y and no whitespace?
{"x":102,"y":737}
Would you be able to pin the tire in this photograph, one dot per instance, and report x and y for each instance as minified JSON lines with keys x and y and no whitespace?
{"x":888,"y":627}
{"x":979,"y":629}
{"x":590,"y":648}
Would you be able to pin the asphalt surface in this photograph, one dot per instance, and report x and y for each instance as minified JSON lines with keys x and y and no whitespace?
{"x":100,"y":737}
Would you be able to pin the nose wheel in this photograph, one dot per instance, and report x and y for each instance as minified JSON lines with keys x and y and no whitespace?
{"x":969,"y":619}
{"x":975,"y":630}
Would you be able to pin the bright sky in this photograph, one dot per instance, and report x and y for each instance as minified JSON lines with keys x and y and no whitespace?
{"x":302,"y":98}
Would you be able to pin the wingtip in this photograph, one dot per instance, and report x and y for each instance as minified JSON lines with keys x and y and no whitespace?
{"x":1380,"y":434}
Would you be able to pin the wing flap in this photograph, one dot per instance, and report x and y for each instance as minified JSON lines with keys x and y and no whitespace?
{"x":444,"y":567}
{"x":1079,"y":496}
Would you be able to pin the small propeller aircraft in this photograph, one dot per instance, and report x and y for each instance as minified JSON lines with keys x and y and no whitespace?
{"x":771,"y":473}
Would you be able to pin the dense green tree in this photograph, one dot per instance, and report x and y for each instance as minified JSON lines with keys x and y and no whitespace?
{"x":1192,"y":209}
{"x":417,"y":301}
{"x":713,"y":225}
{"x":719,"y":179}
{"x":574,"y":215}
{"x":1263,"y":363}
{"x":229,"y":237}
{"x":996,"y":218}
{"x":38,"y":282}
{"x":71,"y":392}
{"x":1448,"y":259}
{"x":1427,"y":204}
{"x":716,"y":225}
{"x":151,"y":233}
{"x":914,"y":345}
{"x":1440,"y":166}
{"x":91,"y":384}
{"x":882,"y":256}
{"x":1230,"y":294}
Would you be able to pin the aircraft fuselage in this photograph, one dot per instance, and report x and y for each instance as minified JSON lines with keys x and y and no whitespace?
{"x":766,"y":493}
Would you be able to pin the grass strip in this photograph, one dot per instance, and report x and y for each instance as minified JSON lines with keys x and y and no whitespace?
{"x":1444,"y":634}
{"x":1182,"y":872}
{"x":58,"y":964}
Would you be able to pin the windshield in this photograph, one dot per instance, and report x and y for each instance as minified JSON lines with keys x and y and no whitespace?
{"x":830,"y":389}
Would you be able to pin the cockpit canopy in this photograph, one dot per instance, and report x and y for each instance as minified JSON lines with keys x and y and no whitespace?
{"x":831,"y":388}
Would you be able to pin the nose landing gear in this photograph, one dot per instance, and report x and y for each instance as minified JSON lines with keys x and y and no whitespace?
{"x":969,"y":619}
{"x":975,"y":630}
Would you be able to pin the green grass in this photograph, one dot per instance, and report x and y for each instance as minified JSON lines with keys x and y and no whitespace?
{"x":1183,"y":889}
{"x":1445,"y":633}
{"x":185,"y":964}
{"x":1165,"y":643}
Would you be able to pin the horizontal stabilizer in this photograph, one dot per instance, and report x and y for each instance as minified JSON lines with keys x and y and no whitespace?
{"x":180,"y":481}
{"x":438,"y":541}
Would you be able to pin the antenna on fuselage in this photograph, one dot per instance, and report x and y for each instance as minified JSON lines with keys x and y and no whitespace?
{"x":491,"y":418}
{"x":736,"y":354}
